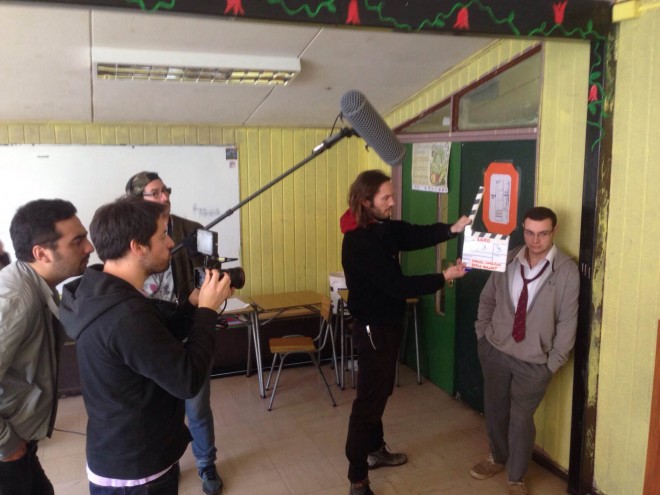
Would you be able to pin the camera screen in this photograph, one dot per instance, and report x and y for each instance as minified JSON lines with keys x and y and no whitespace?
{"x":207,"y":242}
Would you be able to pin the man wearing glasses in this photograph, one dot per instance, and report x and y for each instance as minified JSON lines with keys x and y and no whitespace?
{"x":525,"y":328}
{"x":176,"y":286}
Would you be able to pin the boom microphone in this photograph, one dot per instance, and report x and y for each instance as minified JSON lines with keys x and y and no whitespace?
{"x":371,"y":127}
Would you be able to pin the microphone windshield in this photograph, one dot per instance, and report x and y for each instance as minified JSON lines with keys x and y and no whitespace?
{"x":371,"y":127}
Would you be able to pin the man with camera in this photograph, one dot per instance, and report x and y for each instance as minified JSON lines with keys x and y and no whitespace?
{"x":134,"y":372}
{"x":175,"y":285}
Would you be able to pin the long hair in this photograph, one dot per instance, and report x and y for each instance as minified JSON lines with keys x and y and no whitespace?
{"x":364,"y":188}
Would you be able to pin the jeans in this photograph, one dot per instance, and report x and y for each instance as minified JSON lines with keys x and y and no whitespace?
{"x":200,"y":424}
{"x":25,"y":476}
{"x":167,"y":484}
{"x":375,"y":383}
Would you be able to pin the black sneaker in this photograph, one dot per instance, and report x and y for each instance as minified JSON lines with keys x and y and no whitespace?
{"x":211,"y":480}
{"x":361,"y":488}
{"x":383,"y":457}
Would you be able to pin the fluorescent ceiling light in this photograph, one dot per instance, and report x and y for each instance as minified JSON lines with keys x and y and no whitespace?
{"x":159,"y":65}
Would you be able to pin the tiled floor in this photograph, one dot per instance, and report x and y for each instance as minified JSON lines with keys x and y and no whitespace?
{"x":298,"y":447}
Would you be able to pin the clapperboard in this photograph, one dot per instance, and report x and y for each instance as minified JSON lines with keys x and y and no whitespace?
{"x":483,"y":250}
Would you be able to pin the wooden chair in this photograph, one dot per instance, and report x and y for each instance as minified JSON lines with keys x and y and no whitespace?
{"x":298,"y":344}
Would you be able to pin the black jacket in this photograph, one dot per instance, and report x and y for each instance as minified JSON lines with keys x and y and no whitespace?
{"x":370,"y":256}
{"x":134,"y":374}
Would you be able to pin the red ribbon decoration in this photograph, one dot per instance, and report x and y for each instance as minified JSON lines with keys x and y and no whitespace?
{"x":353,"y":16}
{"x":235,"y":6}
{"x":559,"y":9}
{"x":462,"y":19}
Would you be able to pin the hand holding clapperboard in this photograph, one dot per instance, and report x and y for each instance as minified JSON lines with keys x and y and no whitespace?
{"x":483,"y":250}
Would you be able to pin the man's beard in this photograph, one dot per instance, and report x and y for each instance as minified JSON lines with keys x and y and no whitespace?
{"x":152,"y":267}
{"x":379,"y":215}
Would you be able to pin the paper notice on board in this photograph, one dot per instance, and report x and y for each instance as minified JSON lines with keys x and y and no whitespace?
{"x":499,"y":210}
{"x":430,"y":167}
{"x":485,"y":251}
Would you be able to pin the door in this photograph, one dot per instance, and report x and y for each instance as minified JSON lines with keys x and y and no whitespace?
{"x":435,"y":312}
{"x":475,"y":158}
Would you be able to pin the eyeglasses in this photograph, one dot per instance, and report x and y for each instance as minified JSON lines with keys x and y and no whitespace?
{"x":158,"y":193}
{"x":540,"y":235}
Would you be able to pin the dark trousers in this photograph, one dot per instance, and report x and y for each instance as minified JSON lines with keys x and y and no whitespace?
{"x":25,"y":476}
{"x":513,"y":390}
{"x":375,"y":382}
{"x":167,"y":484}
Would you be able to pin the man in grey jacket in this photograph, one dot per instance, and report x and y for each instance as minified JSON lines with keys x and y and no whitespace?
{"x":51,"y":245}
{"x":525,"y":328}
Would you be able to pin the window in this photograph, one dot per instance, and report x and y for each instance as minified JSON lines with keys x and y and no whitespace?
{"x":438,"y":120}
{"x":507,"y":100}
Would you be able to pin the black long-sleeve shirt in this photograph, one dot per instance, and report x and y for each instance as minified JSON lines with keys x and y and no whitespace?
{"x":378,"y":289}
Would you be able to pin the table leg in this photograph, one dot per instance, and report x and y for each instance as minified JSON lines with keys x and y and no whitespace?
{"x":419,"y":371}
{"x":342,"y":338}
{"x":249,"y":346}
{"x":257,"y":353}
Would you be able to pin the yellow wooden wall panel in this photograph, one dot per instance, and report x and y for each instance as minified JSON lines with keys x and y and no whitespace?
{"x":16,"y":134}
{"x":274,"y":215}
{"x":270,"y":211}
{"x":320,"y":206}
{"x":631,"y":301}
{"x":561,"y":140}
{"x":559,"y":186}
{"x":251,"y":213}
{"x":290,"y":261}
{"x":309,"y":203}
{"x":298,"y":249}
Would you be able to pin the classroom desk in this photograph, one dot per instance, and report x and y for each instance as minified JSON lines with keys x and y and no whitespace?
{"x":271,"y":306}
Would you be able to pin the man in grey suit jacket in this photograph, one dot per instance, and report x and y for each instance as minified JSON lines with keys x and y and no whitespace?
{"x":526,"y":328}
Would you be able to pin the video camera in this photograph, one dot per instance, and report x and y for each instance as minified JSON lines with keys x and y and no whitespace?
{"x":207,"y":245}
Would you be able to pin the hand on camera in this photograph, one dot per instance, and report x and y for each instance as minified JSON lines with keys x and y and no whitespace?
{"x":215,"y":290}
{"x":455,"y":271}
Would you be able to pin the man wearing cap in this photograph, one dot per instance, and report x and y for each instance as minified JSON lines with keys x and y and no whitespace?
{"x":176,"y":285}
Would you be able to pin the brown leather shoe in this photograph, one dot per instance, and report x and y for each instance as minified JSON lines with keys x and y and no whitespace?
{"x":383,"y":457}
{"x":486,"y":468}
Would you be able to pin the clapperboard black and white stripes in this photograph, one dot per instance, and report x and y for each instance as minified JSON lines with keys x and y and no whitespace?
{"x":483,"y":250}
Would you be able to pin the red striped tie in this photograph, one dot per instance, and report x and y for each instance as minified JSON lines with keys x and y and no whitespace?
{"x":521,"y":310}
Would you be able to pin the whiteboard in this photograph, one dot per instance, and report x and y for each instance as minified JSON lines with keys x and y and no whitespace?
{"x":204,"y":182}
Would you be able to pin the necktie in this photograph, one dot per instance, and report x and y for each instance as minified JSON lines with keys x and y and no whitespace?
{"x":521,"y":309}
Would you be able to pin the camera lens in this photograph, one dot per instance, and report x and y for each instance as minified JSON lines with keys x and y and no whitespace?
{"x":237,"y":277}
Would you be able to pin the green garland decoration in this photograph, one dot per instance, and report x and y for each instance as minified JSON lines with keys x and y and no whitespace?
{"x":161,"y":4}
{"x":328,"y":4}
